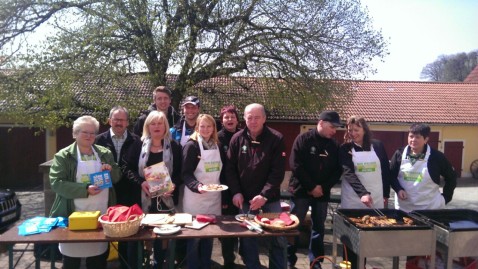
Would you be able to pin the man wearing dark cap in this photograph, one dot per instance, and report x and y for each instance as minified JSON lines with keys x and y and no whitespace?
{"x":185,"y":127}
{"x":162,"y":102}
{"x":315,"y":170}
{"x":181,"y":132}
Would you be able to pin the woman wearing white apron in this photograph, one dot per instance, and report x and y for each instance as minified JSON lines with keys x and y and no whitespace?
{"x":416,"y":172}
{"x":69,"y":178}
{"x":365,"y":177}
{"x":201,"y":166}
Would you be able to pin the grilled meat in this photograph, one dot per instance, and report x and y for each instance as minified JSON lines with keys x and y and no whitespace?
{"x":380,"y":221}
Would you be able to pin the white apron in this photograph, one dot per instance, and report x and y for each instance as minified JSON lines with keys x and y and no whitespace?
{"x":368,"y":170}
{"x":183,"y":141}
{"x":207,"y":171}
{"x":184,"y":137}
{"x":92,"y":203}
{"x":422,"y":192}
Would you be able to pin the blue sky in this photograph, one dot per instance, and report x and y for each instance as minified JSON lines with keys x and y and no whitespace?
{"x":421,"y":30}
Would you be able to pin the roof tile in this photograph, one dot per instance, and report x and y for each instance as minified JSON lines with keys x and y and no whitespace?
{"x":473,"y":76}
{"x":405,"y":102}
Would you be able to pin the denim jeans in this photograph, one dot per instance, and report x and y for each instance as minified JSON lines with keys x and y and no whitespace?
{"x":300,"y":206}
{"x":249,"y":247}
{"x":199,"y":252}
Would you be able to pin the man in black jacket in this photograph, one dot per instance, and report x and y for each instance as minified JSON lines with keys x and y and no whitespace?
{"x":315,"y":170}
{"x":118,"y":139}
{"x":162,"y":102}
{"x":254,"y":171}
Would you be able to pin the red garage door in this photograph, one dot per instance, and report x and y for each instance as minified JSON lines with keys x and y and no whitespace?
{"x":454,"y":154}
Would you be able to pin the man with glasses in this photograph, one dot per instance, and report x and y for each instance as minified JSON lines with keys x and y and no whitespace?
{"x":118,"y":139}
{"x":162,"y":102}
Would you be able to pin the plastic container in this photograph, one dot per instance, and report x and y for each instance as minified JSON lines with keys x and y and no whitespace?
{"x":83,"y":220}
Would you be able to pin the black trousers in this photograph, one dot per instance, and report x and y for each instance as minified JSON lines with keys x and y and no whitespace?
{"x":93,"y":262}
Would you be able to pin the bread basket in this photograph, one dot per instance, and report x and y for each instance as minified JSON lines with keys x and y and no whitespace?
{"x":272,"y":216}
{"x":121,"y":228}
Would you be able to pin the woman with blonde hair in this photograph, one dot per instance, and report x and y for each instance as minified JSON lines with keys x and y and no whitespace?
{"x":201,"y":166}
{"x":154,"y":147}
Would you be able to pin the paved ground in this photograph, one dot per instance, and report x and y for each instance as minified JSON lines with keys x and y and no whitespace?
{"x":465,"y":197}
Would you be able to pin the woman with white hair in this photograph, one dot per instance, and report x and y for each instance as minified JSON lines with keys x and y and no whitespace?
{"x":70,"y":180}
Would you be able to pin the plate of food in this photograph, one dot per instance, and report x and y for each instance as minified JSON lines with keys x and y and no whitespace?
{"x":277,"y":221}
{"x":167,"y":229}
{"x":242,"y":217}
{"x":214,"y":187}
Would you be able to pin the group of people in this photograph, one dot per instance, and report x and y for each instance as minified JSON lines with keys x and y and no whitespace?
{"x":362,"y":166}
{"x":250,"y":161}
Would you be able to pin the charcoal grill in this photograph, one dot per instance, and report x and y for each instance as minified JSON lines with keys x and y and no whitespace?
{"x":456,"y":231}
{"x":390,"y":241}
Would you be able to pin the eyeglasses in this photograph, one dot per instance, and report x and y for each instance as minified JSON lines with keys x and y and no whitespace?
{"x":118,"y":120}
{"x":87,"y":133}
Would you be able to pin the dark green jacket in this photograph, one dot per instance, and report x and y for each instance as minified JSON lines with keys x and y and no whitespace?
{"x":63,"y":179}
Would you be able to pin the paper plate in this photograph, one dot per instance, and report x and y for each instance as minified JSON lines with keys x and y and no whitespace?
{"x":241,"y":217}
{"x":214,"y":187}
{"x":167,"y":229}
{"x":197,"y":225}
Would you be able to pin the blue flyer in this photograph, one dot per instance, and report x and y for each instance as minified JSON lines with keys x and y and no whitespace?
{"x":101,"y":179}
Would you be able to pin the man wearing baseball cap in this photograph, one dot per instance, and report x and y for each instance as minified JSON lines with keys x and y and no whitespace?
{"x":181,"y":132}
{"x":185,"y":126}
{"x":314,"y":162}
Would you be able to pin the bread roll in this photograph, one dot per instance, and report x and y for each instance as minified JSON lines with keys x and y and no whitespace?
{"x":278,"y":223}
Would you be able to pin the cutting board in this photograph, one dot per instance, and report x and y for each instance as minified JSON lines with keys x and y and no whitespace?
{"x":159,"y":219}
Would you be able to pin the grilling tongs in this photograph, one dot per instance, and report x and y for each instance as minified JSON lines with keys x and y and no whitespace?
{"x":380,"y":213}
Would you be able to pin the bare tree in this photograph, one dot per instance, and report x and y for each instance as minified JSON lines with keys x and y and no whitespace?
{"x":450,"y":68}
{"x":303,"y":43}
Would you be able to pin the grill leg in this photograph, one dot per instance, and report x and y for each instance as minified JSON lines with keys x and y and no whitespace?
{"x":395,"y":261}
{"x":334,"y":246}
{"x":361,"y":261}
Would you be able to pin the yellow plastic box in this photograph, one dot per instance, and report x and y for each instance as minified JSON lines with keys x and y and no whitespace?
{"x":83,"y":220}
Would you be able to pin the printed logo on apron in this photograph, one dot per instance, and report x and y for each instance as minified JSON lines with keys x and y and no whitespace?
{"x":366,"y":167}
{"x":212,"y":166}
{"x":412,"y":176}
